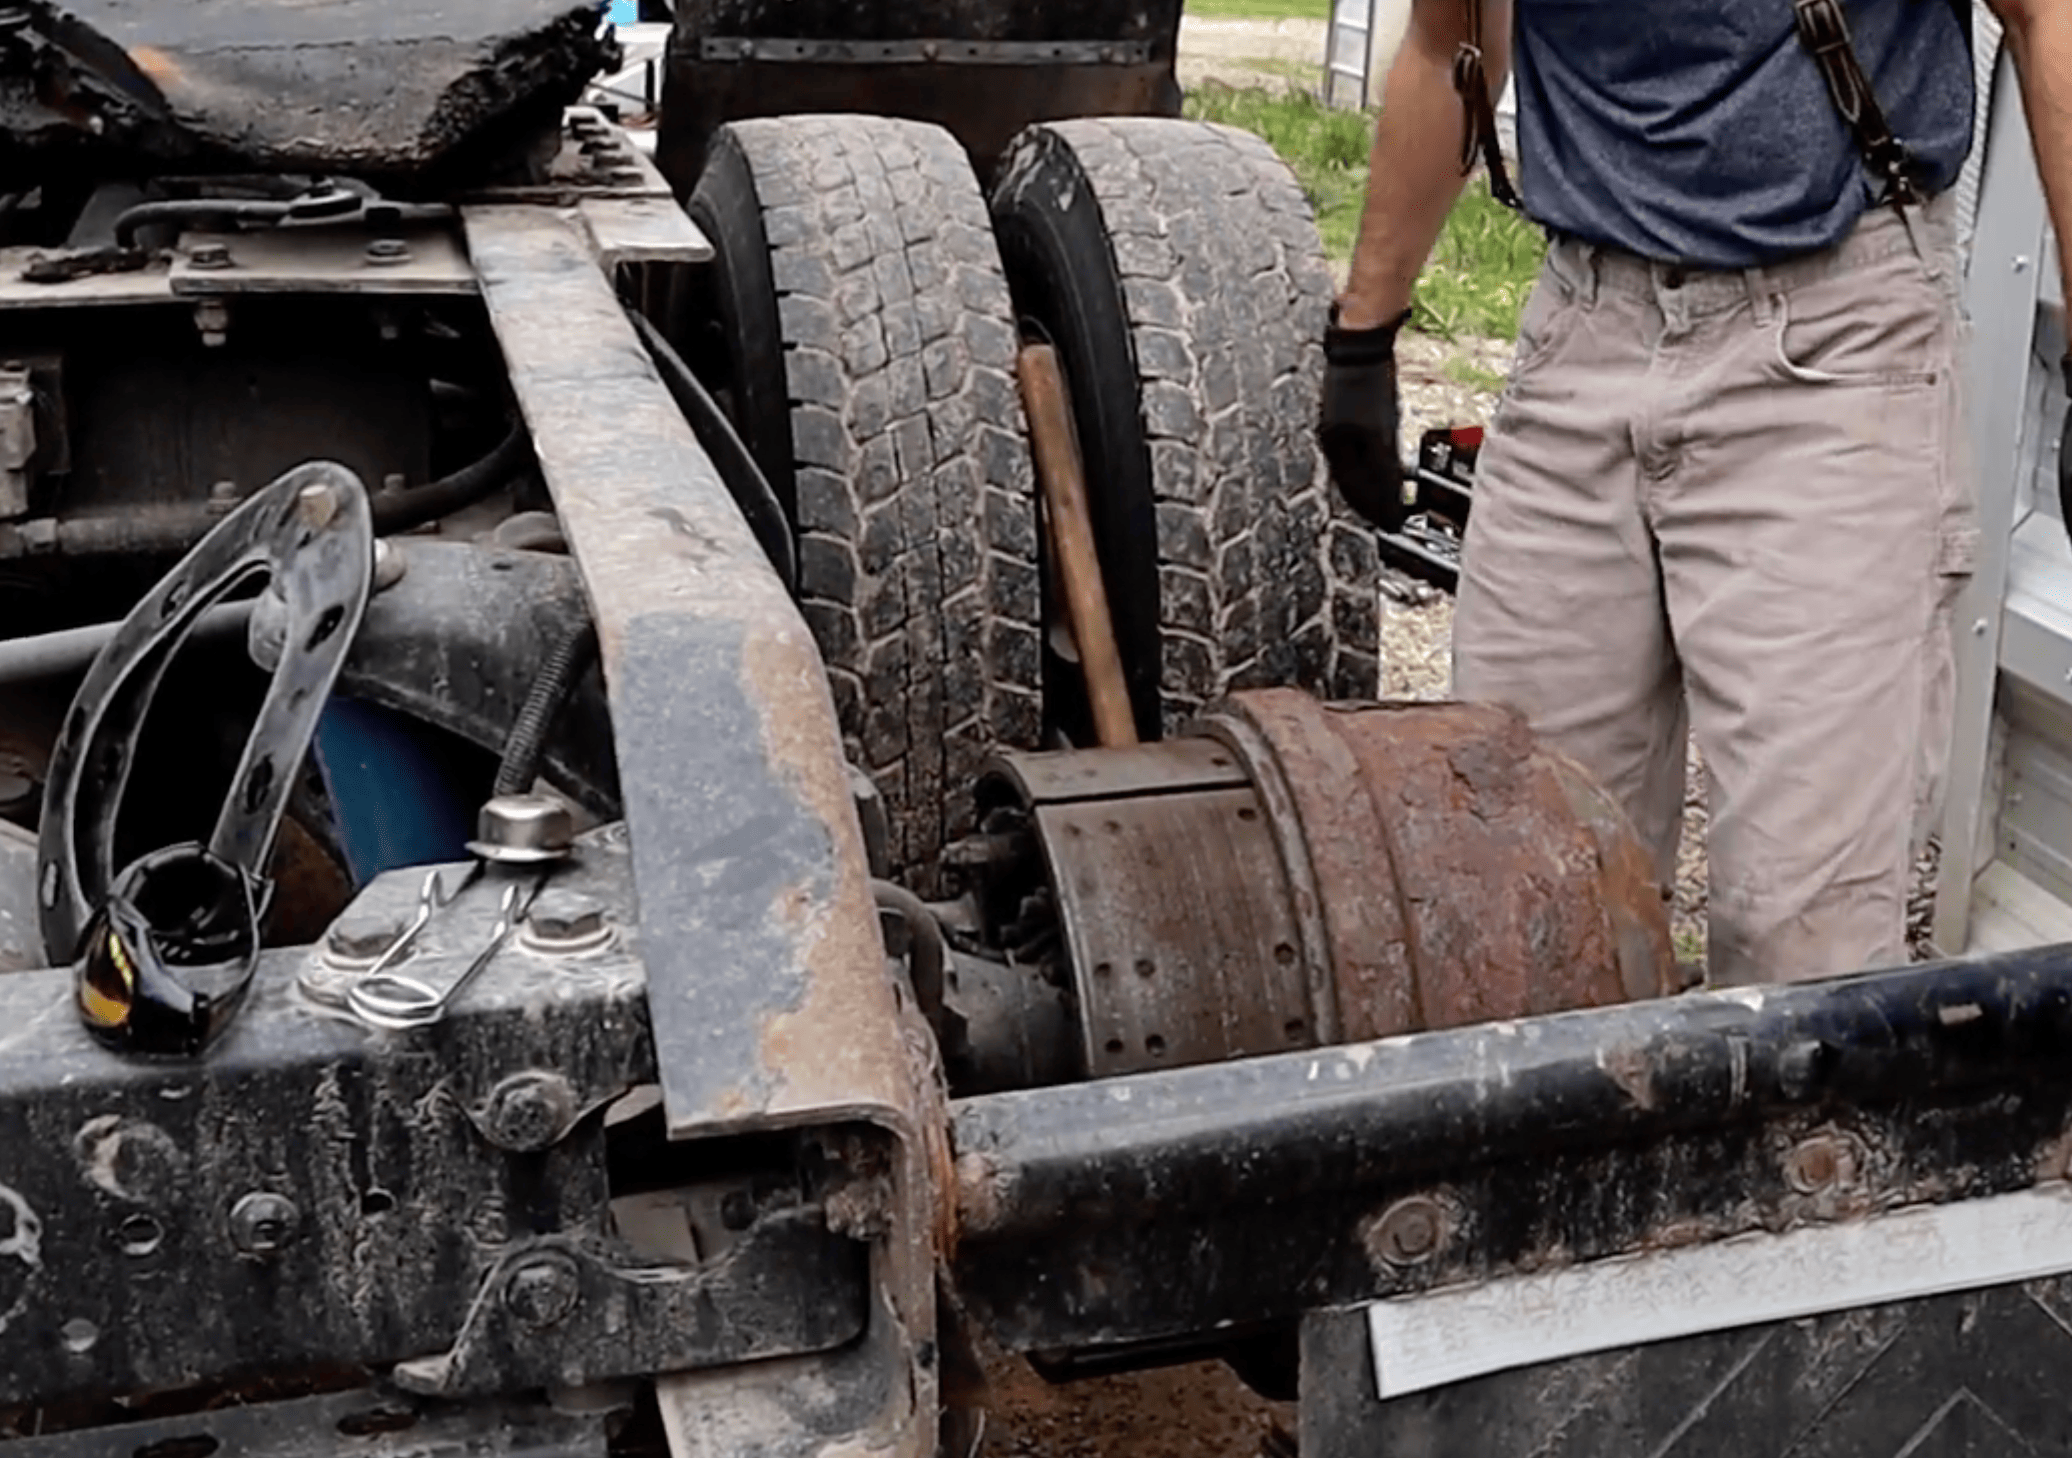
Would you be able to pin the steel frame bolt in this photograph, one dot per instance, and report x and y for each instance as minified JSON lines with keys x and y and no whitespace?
{"x":317,"y":504}
{"x":543,"y":1290}
{"x":360,"y":937}
{"x":1820,"y":1163}
{"x":1410,"y":1231}
{"x":212,"y":322}
{"x":210,"y":256}
{"x":529,"y":1111}
{"x":561,"y":922}
{"x":388,"y":251}
{"x":262,"y":1222}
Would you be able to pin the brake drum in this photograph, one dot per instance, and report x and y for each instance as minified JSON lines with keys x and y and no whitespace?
{"x":1295,"y":874}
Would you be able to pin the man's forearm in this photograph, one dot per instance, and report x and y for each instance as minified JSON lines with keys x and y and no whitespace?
{"x":1415,"y":175}
{"x":2039,"y":33}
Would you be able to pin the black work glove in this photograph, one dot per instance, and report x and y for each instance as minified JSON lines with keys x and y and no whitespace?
{"x":1361,"y":416}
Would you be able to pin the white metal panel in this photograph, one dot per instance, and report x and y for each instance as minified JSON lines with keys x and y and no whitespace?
{"x":2010,"y":912}
{"x":2001,"y":295}
{"x":1451,"y":1335}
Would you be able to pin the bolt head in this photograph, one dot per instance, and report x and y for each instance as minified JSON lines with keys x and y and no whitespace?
{"x":361,"y":936}
{"x":530,"y":1111}
{"x":563,"y":921}
{"x":388,"y":250}
{"x":316,"y":504}
{"x":209,"y":256}
{"x":543,"y":1291}
{"x":262,"y":1222}
{"x":1821,"y":1163}
{"x":1410,"y":1231}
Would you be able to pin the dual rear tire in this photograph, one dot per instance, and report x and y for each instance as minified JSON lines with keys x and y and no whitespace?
{"x":862,"y":320}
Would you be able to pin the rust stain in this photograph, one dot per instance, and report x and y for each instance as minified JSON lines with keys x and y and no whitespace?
{"x":984,"y":1194}
{"x":163,"y":71}
{"x":1466,"y":873}
{"x":850,"y":1045}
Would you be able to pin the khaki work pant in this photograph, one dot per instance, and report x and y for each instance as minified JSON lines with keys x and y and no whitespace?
{"x":1740,"y":502}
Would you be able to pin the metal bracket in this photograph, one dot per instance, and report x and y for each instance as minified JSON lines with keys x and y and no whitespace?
{"x":949,"y":52}
{"x":323,"y":1427}
{"x":17,"y":438}
{"x":571,"y":1311}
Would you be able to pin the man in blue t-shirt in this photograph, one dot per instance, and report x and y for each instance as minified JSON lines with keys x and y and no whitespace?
{"x":1727,"y":487}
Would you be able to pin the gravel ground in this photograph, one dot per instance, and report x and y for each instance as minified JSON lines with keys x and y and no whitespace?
{"x":1272,"y":53}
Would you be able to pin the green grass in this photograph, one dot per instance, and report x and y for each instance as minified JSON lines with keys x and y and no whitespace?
{"x":1481,"y":271}
{"x":1486,"y":258}
{"x":1464,"y":371}
{"x":1261,"y":9}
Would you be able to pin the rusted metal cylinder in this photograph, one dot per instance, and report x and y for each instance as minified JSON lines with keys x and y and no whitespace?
{"x":1297,"y":874}
{"x":1463,"y":871}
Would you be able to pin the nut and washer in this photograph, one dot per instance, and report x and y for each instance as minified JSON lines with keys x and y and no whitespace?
{"x":210,"y":256}
{"x":1822,"y":1162}
{"x":388,"y":251}
{"x":262,"y":1222}
{"x":543,"y":1291}
{"x":1409,"y":1232}
{"x":529,"y":1111}
{"x":358,"y":938}
{"x":565,"y":923}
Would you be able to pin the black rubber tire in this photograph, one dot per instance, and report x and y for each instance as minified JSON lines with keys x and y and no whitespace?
{"x":1176,"y":267}
{"x":861,"y":333}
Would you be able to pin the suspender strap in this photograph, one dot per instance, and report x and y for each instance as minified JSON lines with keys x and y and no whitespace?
{"x":1478,"y":140}
{"x":1824,"y":30}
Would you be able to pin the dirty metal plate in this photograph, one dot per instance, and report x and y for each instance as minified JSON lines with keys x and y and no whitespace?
{"x":151,"y":285}
{"x":310,"y":1428}
{"x":1447,"y":1336}
{"x":1183,"y":944}
{"x":641,"y":230}
{"x":21,"y":945}
{"x":1144,"y":769}
{"x":325,"y":261}
{"x":1977,"y":1374}
{"x":595,"y":158}
{"x":366,"y":86}
{"x":764,"y":964}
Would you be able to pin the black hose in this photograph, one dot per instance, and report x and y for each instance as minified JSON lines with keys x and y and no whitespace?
{"x":134,"y":220}
{"x":399,"y":511}
{"x":571,"y":658}
{"x":928,"y":954}
{"x":175,"y":529}
{"x":745,"y":480}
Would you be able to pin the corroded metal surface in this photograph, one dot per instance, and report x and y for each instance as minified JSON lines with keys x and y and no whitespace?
{"x":376,"y":87}
{"x":1038,"y":60}
{"x":766,"y":978}
{"x":1464,"y":873}
{"x":1312,"y":875}
{"x":1184,"y":943}
{"x":1193,"y":1199}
